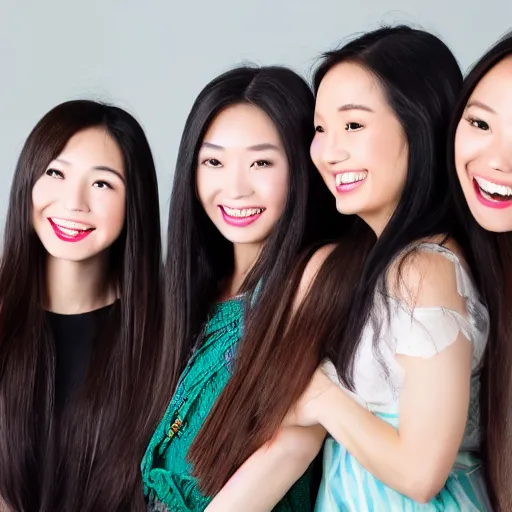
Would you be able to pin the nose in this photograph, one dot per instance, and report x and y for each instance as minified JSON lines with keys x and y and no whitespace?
{"x":238,"y":182}
{"x":76,"y":196}
{"x":501,"y":154}
{"x":330,"y":151}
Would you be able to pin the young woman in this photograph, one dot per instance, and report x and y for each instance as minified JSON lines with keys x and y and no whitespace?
{"x":80,"y":314}
{"x":246,"y":199}
{"x":482,"y":139}
{"x":402,"y":328}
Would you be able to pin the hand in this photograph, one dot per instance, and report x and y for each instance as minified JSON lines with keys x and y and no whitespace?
{"x":305,"y":411}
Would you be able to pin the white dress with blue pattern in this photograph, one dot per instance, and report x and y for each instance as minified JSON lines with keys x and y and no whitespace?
{"x":422,"y":332}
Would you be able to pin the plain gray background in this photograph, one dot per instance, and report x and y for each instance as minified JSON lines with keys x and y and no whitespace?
{"x":153,"y":57}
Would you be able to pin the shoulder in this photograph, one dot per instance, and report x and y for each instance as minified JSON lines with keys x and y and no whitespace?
{"x":426,"y":277}
{"x":312,"y":268}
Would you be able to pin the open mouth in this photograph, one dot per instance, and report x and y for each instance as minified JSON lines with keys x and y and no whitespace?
{"x":492,"y":194}
{"x":346,"y":181}
{"x":70,"y":231}
{"x":241,"y":216}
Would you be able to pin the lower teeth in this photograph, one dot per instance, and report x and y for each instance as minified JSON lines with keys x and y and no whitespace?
{"x":495,"y":197}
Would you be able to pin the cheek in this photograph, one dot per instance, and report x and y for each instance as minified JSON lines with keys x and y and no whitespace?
{"x":461,"y":156}
{"x":205,"y":185}
{"x":41,"y":195}
{"x":468,"y":147}
{"x":391,"y":153}
{"x":272,"y":188}
{"x":112,"y":210}
{"x":316,"y":150}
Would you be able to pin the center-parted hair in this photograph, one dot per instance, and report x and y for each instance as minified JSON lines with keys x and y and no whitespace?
{"x":199,"y":258}
{"x":491,"y":255}
{"x":90,"y":461}
{"x":421,"y":81}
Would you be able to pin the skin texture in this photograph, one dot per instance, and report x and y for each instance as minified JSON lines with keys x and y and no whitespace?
{"x":242,"y":164}
{"x":356,"y":130}
{"x":72,"y":188}
{"x":84,"y":184}
{"x":483,"y":145}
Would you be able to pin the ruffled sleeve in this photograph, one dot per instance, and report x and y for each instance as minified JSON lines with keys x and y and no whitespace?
{"x":426,"y":331}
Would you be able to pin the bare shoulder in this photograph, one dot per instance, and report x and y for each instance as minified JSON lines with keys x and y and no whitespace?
{"x":310,"y":272}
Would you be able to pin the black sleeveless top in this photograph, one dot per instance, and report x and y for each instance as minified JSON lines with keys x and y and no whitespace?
{"x":74,"y":337}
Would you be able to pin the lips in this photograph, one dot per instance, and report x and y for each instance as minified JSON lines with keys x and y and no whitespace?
{"x":492,"y":194}
{"x":350,"y":180}
{"x":70,"y":231}
{"x":241,"y":217}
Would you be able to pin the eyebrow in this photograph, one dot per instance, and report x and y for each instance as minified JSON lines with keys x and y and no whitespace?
{"x":354,"y":106}
{"x":479,"y":104}
{"x":96,"y":168}
{"x":257,"y":147}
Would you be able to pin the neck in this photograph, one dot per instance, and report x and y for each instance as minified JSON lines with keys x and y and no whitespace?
{"x":78,"y":287}
{"x":378,"y":221}
{"x":245,"y":256}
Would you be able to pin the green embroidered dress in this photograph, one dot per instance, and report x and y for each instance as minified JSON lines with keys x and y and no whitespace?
{"x":168,"y":483}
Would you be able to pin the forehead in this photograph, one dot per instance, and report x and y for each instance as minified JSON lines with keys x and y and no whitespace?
{"x":241,"y":126}
{"x":92,"y":147}
{"x":347,"y":83}
{"x":495,"y":87}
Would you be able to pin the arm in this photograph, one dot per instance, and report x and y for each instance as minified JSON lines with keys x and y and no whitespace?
{"x":264,"y":478}
{"x":416,"y":459}
{"x":267,"y":475}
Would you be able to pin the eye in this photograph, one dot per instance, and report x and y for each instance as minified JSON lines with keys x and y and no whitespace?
{"x":319,"y":129}
{"x":261,"y":163}
{"x":53,"y":173}
{"x":352,"y":127}
{"x":478,"y":123}
{"x":212,"y":162}
{"x":102,"y":184}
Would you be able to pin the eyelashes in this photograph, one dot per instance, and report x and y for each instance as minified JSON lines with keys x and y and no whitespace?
{"x":53,"y":173}
{"x":56,"y":174}
{"x":214,"y":163}
{"x":103,"y":184}
{"x":478,"y":123}
{"x":351,"y":126}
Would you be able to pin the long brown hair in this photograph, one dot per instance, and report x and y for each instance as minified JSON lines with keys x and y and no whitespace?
{"x":492,"y":256}
{"x":421,"y":79}
{"x":92,"y":465}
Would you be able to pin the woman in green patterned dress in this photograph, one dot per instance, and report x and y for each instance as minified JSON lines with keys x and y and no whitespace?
{"x":246,"y":199}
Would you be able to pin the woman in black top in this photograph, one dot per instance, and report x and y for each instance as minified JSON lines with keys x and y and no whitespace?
{"x":80,"y":314}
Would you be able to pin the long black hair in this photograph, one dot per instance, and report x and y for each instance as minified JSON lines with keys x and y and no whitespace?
{"x":93,"y":463}
{"x":199,"y":258}
{"x":491,"y":254}
{"x":421,"y":80}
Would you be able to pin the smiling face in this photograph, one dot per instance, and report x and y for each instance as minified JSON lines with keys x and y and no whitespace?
{"x":359,"y":146}
{"x":242,"y":174}
{"x":483,"y":149}
{"x":78,"y":203}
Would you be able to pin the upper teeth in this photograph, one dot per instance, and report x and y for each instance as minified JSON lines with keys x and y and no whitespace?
{"x":350,"y":177}
{"x":493,"y":188}
{"x":75,"y":226}
{"x":245,"y":212}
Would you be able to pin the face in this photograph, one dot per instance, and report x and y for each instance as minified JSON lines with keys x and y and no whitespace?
{"x":483,"y":149}
{"x":242,"y":174}
{"x":359,"y":145}
{"x":79,"y":201}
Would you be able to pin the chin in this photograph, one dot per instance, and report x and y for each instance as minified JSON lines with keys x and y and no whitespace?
{"x":494,"y":225}
{"x":493,"y":221}
{"x":344,"y":209}
{"x":241,"y":240}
